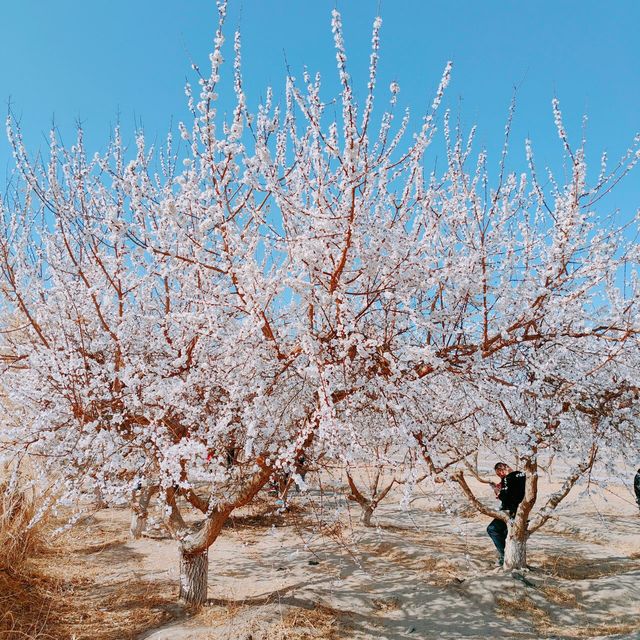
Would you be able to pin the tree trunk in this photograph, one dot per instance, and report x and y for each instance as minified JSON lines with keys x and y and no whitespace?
{"x":99,"y":499}
{"x":515,"y":550}
{"x":194,"y":568}
{"x":138,"y":524}
{"x":196,"y":539}
{"x":367,"y":512}
{"x":140,"y":508}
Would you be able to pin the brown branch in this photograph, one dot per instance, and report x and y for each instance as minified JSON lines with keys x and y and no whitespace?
{"x":356,"y":494}
{"x":556,"y":498}
{"x":384,"y":492}
{"x":458,"y":477}
{"x":335,"y":276}
{"x":195,"y":500}
{"x":474,"y":472}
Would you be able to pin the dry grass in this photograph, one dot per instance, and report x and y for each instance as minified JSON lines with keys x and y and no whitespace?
{"x":386,"y":604}
{"x":305,"y":624}
{"x":461,"y":508}
{"x":559,"y":596}
{"x":240,"y":620}
{"x":440,"y":572}
{"x":578,"y":568}
{"x":522,"y":606}
{"x":18,"y":540}
{"x":26,"y":596}
{"x":215,"y":614}
{"x":546,"y":627}
{"x":434,"y":570}
{"x":263,"y":513}
{"x":117,"y":612}
{"x":96,"y":603}
{"x":593,"y":631}
{"x":47,"y":593}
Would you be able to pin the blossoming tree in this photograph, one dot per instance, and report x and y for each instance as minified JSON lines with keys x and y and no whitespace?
{"x":557,"y":328}
{"x":297,"y":285}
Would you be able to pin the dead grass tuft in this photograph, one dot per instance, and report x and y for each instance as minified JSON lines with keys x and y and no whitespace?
{"x":26,"y":596}
{"x":18,"y":540}
{"x":218,"y":613}
{"x":297,"y":623}
{"x":522,"y":605}
{"x":305,"y":624}
{"x":559,"y":596}
{"x":263,"y":520}
{"x":460,"y":508}
{"x":386,"y":604}
{"x":264,"y":515}
{"x":592,"y":631}
{"x":240,"y":620}
{"x":579,"y":568}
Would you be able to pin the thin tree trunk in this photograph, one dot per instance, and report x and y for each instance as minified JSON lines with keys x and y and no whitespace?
{"x":367,"y":512}
{"x":368,"y":505}
{"x":99,"y":499}
{"x":194,"y":569}
{"x":138,"y":524}
{"x":140,"y":510}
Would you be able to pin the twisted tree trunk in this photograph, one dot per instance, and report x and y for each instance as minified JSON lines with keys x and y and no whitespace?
{"x":196,"y":539}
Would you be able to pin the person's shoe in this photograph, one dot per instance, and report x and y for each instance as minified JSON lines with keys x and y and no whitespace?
{"x":500,"y":561}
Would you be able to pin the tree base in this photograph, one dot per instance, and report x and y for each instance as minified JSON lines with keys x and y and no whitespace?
{"x":194,"y":569}
{"x":515,"y":554}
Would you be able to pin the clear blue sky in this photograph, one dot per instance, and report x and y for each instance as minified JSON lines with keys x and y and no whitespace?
{"x":91,"y":60}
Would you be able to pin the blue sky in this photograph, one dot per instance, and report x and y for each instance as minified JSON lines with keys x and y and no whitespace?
{"x":92,"y":60}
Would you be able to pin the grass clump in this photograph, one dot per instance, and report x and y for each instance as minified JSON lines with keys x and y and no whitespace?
{"x":26,"y":596}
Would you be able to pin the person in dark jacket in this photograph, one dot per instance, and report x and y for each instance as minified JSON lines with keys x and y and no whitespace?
{"x":510,"y":492}
{"x":636,"y":487}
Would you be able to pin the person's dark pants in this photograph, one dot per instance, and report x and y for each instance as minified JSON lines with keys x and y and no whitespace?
{"x":497,"y":531}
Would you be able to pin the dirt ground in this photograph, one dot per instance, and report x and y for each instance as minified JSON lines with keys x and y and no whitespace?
{"x":424,"y":571}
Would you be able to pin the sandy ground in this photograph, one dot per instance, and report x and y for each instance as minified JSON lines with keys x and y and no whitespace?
{"x":420,"y":573}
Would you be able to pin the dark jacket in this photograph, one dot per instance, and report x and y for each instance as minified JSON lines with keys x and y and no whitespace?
{"x":636,"y":486}
{"x":512,"y":491}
